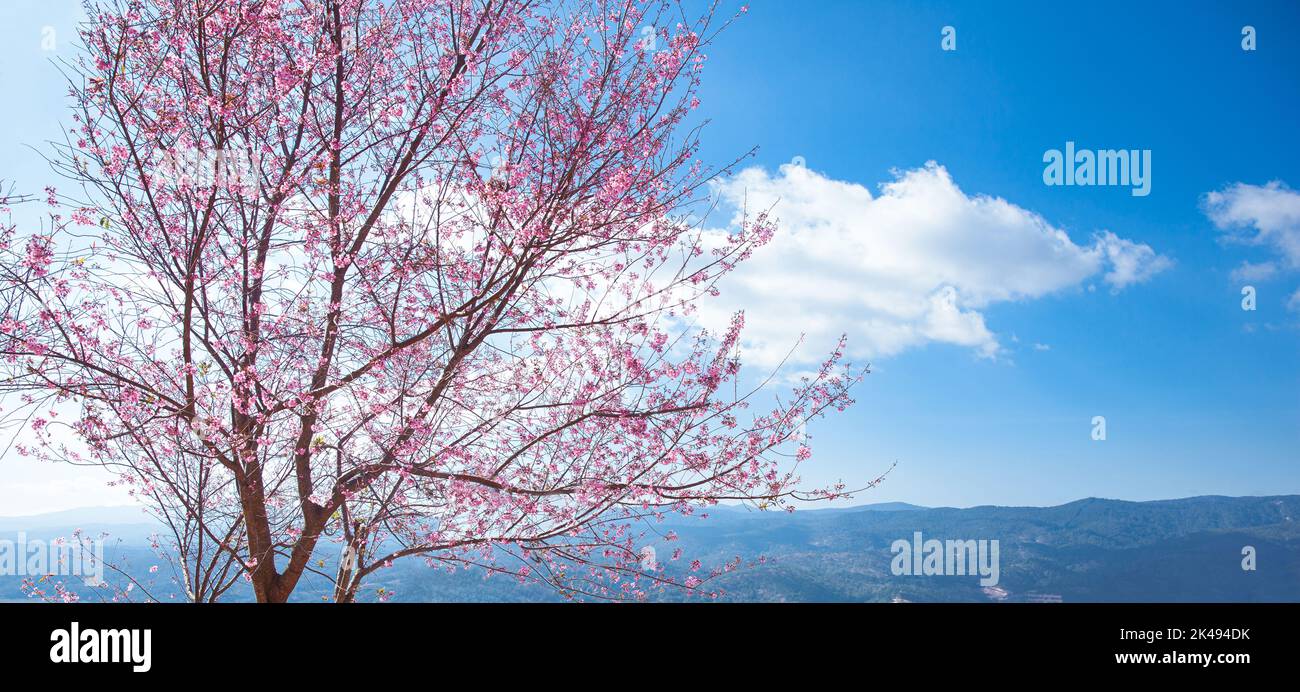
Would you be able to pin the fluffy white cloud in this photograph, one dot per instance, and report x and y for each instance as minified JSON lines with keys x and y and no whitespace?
{"x":1130,"y":262}
{"x":1267,"y":215}
{"x":1261,"y":215}
{"x":913,"y":265}
{"x":1254,"y":271}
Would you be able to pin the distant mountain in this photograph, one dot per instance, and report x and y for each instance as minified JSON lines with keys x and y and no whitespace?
{"x":1089,"y":550}
{"x":877,"y":507}
{"x":86,"y":516}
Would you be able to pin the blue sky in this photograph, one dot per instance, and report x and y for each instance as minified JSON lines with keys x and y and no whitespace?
{"x":1200,"y":396}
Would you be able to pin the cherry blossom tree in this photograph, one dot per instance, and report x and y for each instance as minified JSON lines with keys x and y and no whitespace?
{"x":378,"y":279}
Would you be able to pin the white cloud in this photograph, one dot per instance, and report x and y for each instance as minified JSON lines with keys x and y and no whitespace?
{"x":916,"y":264}
{"x":1271,"y":211}
{"x":1130,"y":262}
{"x":1293,"y":303}
{"x":1254,"y":271}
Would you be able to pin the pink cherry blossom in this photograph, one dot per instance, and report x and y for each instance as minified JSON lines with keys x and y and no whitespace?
{"x":403,"y":278}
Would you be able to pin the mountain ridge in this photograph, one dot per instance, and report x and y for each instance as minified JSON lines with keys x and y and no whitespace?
{"x":123,"y":512}
{"x":1092,"y":549}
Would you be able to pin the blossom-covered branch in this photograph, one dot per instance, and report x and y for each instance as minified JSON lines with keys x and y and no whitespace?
{"x":408,"y":277}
